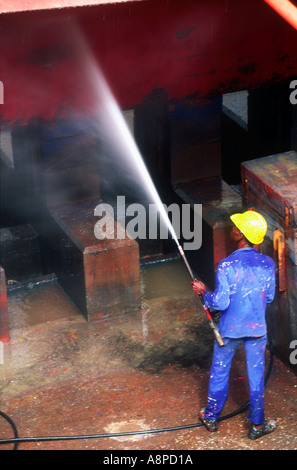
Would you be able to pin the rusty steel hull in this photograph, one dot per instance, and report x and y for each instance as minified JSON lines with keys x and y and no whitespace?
{"x":183,"y":49}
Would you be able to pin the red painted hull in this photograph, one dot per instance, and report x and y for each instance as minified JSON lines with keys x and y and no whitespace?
{"x":183,"y":48}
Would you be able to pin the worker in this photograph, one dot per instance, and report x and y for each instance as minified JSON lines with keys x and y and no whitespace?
{"x":245,"y":283}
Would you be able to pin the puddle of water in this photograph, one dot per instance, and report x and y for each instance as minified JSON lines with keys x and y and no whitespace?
{"x":48,"y":301}
{"x":39,"y":304}
{"x":169,"y":329}
{"x":166,"y":279}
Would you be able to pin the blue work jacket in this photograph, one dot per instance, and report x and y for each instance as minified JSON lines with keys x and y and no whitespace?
{"x":245,"y":283}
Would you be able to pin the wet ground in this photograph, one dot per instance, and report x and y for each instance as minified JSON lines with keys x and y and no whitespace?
{"x":63,"y":376}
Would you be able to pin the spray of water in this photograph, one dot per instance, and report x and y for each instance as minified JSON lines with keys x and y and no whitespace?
{"x":114,"y":128}
{"x":118,"y":136}
{"x":127,"y":144}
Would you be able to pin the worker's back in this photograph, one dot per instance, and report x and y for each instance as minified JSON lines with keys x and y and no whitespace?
{"x":245,"y":284}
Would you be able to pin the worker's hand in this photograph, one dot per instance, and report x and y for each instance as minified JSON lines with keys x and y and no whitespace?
{"x":198,"y":287}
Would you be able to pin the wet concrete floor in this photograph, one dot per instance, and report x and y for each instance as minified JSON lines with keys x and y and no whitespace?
{"x":63,"y":376}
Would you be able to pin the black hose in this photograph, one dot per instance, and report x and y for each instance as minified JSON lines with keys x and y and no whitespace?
{"x":14,"y":428}
{"x":16,"y":440}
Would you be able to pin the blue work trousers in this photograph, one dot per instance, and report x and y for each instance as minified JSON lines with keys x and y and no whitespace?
{"x":219,"y":376}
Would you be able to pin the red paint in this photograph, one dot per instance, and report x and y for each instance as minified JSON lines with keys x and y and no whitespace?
{"x":181,"y":48}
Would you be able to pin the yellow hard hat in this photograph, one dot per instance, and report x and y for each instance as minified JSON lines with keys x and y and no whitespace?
{"x":252,"y":225}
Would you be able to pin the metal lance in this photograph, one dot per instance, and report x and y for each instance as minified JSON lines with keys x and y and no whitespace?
{"x":208,"y":314}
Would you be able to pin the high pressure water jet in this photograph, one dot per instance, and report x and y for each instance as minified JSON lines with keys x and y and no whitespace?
{"x":152,"y":189}
{"x":129,"y":142}
{"x":127,"y":146}
{"x":124,"y":145}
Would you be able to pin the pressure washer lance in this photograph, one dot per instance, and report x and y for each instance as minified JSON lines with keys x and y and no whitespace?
{"x":208,"y":314}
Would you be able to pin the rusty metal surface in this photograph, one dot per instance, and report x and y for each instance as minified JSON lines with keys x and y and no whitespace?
{"x":279,"y":247}
{"x":270,"y":186}
{"x":101,"y":276}
{"x":274,"y":180}
{"x":219,"y":201}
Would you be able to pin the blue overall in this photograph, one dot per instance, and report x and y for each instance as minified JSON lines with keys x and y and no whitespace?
{"x":245,"y":283}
